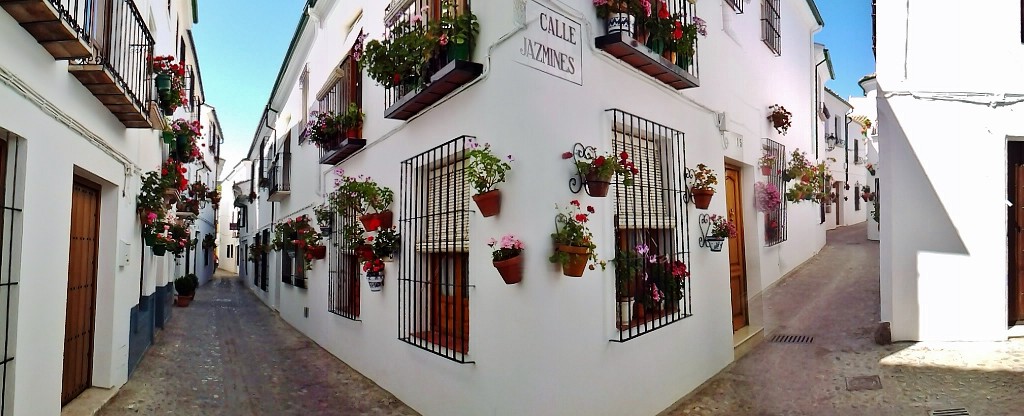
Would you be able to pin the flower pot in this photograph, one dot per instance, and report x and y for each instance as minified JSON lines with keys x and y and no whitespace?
{"x":656,"y":44}
{"x":325,"y":230}
{"x":625,"y":310}
{"x":715,"y":243}
{"x":182,"y":301}
{"x":597,"y":186}
{"x":181,"y":148}
{"x":364,"y":252}
{"x":864,"y":196}
{"x":458,"y":51}
{"x":669,"y":55}
{"x":702,"y":197}
{"x":351,"y":133}
{"x":370,"y":222}
{"x":638,"y":311}
{"x":390,"y":258}
{"x":805,"y":178}
{"x":489,"y":202}
{"x":511,"y":270}
{"x":163,"y":82}
{"x":318,"y":252}
{"x":171,"y":196}
{"x":375,"y":280}
{"x":828,"y":208}
{"x":159,"y":250}
{"x":683,"y":61}
{"x":621,"y":23}
{"x":577,"y":263}
{"x":766,"y":170}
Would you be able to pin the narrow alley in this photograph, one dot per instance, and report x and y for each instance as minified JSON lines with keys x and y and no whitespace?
{"x":228,"y":354}
{"x":834,"y":299}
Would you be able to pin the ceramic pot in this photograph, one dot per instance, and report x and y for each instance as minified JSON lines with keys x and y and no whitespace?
{"x":488,"y":202}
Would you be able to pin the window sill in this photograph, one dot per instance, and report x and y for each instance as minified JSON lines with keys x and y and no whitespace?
{"x":632,"y":52}
{"x":442,"y":83}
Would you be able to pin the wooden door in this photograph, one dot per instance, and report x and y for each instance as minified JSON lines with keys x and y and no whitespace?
{"x":1015,"y":231}
{"x":81,"y":305}
{"x":737,"y":259}
{"x":98,"y":23}
{"x":450,"y":306}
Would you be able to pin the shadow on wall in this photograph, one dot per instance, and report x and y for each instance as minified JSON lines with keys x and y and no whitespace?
{"x":924,"y":226}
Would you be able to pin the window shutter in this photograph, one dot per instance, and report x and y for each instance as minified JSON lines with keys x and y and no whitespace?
{"x":447,"y":210}
{"x":643,"y":202}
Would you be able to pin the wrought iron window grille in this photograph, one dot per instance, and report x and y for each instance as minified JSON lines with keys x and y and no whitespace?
{"x":434,"y":289}
{"x":344,"y":275}
{"x":776,"y":222}
{"x":771,"y":26}
{"x":652,"y":223}
{"x":9,"y":222}
{"x":736,"y":5}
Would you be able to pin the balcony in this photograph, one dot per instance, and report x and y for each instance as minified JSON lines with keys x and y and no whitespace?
{"x":340,"y":149}
{"x":410,"y":102}
{"x":279,"y":177}
{"x":108,"y":49}
{"x":233,"y":226}
{"x":676,"y":72}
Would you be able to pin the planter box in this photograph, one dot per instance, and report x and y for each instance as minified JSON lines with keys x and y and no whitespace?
{"x":446,"y":80}
{"x":639,"y":56}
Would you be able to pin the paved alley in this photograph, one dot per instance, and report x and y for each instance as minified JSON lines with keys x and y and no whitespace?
{"x":228,"y":354}
{"x":834,"y":298}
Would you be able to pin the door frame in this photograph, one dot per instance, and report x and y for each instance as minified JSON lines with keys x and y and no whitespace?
{"x":741,"y":243}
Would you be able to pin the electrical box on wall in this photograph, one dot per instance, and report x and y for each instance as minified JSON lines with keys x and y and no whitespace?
{"x":124,"y":250}
{"x":722,"y":121}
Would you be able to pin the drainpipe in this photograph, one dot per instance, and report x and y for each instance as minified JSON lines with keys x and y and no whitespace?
{"x":846,"y":144}
{"x":817,"y":104}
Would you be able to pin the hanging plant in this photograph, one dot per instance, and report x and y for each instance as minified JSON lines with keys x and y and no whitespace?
{"x":485,"y":170}
{"x":780,"y":118}
{"x":766,"y":197}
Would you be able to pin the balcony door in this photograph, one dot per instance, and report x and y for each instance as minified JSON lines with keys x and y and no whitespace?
{"x":98,"y":24}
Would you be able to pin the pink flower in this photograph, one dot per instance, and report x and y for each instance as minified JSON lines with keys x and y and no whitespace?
{"x":575,"y":203}
{"x":443,"y":40}
{"x":567,"y":155}
{"x":416,"y":19}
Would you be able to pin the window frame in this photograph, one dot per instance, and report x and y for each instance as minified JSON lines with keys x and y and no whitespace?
{"x":771,"y":25}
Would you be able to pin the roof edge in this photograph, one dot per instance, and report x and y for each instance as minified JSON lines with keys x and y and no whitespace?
{"x":816,"y":12}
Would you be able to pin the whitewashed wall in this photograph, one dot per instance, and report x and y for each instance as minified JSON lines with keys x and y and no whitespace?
{"x":541,"y":347}
{"x":943,"y":240}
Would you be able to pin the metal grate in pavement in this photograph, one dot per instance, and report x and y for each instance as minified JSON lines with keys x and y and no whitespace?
{"x":959,"y":411}
{"x":792,"y":339}
{"x":861,"y":383}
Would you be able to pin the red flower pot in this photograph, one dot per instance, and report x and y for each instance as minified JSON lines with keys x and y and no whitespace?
{"x":766,"y":170}
{"x":387,"y":219}
{"x":596,"y":185}
{"x":370,"y":222}
{"x":489,"y":202}
{"x":511,"y":270}
{"x":318,"y":252}
{"x":702,"y":197}
{"x":352,"y":133}
{"x":577,"y":263}
{"x":182,"y":301}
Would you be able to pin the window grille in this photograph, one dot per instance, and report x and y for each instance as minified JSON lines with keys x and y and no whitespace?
{"x":343,"y":291}
{"x":264,"y":267}
{"x":10,"y":221}
{"x":770,"y":26}
{"x":293,"y":268}
{"x":651,"y":212}
{"x":776,"y":222}
{"x":736,"y":5}
{"x":281,"y":169}
{"x":346,"y":89}
{"x":856,"y":193}
{"x":433,"y":305}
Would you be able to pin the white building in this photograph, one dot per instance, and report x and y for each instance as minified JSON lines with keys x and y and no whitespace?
{"x":949,"y":167}
{"x":229,"y":216}
{"x":866,"y":108}
{"x":81,"y":294}
{"x":848,"y":169}
{"x":539,"y":347}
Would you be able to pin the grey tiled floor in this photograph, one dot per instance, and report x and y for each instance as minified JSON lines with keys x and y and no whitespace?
{"x":834,"y":298}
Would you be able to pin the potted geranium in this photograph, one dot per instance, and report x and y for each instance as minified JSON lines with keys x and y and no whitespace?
{"x":385,"y":244}
{"x":780,"y":118}
{"x":485,"y":170}
{"x":402,"y":58}
{"x":766,"y":162}
{"x":173,"y":180}
{"x":628,"y":271}
{"x":185,"y":286}
{"x":181,"y":139}
{"x":298,"y":233}
{"x":352,"y":121}
{"x":703,"y":186}
{"x":456,"y":32}
{"x":574,"y":241}
{"x":374,"y":269}
{"x":597,"y":173}
{"x":766,"y":197}
{"x":720,"y":229}
{"x":871,"y":168}
{"x":866,"y":193}
{"x":149,"y":203}
{"x":362,"y":194}
{"x":169,"y":77}
{"x":507,"y":258}
{"x":324,"y":130}
{"x":324,"y":218}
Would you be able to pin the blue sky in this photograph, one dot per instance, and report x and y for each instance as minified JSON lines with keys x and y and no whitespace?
{"x":241,"y":44}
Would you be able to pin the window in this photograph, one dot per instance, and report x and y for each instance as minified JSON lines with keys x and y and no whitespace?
{"x":856,"y":199}
{"x":770,"y":26}
{"x":229,"y":250}
{"x":343,"y":290}
{"x":304,"y":86}
{"x":264,"y":263}
{"x":650,"y":214}
{"x":344,"y":89}
{"x":856,"y":153}
{"x":434,"y":283}
{"x":736,"y":5}
{"x":775,"y":222}
{"x":293,"y":268}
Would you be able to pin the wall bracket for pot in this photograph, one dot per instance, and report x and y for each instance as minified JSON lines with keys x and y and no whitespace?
{"x":687,"y":177}
{"x":579,"y":151}
{"x":705,"y":239}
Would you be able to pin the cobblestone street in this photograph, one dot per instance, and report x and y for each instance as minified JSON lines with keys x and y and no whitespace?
{"x":834,"y":298}
{"x":228,"y":354}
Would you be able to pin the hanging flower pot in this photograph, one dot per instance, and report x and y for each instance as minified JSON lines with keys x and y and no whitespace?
{"x":163,"y":82}
{"x":318,"y":252}
{"x":864,"y":196}
{"x":364,"y":252}
{"x":488,"y":202}
{"x":370,"y":222}
{"x":159,"y":250}
{"x":511,"y":270}
{"x":621,"y":23}
{"x":715,"y":243}
{"x":387,"y":219}
{"x":766,"y":170}
{"x":597,"y":186}
{"x":390,"y":258}
{"x":828,"y":208}
{"x":577,"y":263}
{"x":702,"y":197}
{"x":805,"y":178}
{"x":375,"y":280}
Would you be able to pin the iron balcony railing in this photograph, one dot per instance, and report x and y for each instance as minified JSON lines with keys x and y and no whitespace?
{"x":280,"y":173}
{"x":121,"y":43}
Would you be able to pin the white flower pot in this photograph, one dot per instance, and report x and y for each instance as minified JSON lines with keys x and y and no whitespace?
{"x":621,"y":23}
{"x":375,"y":280}
{"x":625,"y":310}
{"x":389,"y":259}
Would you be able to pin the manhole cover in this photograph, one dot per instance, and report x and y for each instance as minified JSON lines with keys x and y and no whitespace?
{"x":792,"y":339}
{"x":863,"y":383}
{"x":960,"y":411}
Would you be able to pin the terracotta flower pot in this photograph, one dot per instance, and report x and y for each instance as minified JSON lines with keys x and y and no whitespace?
{"x":182,"y":301}
{"x":489,"y":202}
{"x":577,"y":263}
{"x":805,"y":178}
{"x":511,"y":270}
{"x":318,"y":252}
{"x":702,"y":197}
{"x":387,"y":219}
{"x":370,"y":222}
{"x":597,"y":186}
{"x":766,"y":170}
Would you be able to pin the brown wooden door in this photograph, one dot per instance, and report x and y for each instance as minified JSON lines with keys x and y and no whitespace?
{"x":450,"y":306}
{"x":1015,"y":231}
{"x":737,"y":259}
{"x":81,"y":305}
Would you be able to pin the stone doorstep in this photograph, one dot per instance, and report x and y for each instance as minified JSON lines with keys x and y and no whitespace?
{"x":1016,"y":331}
{"x":745,"y":340}
{"x":89,"y":402}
